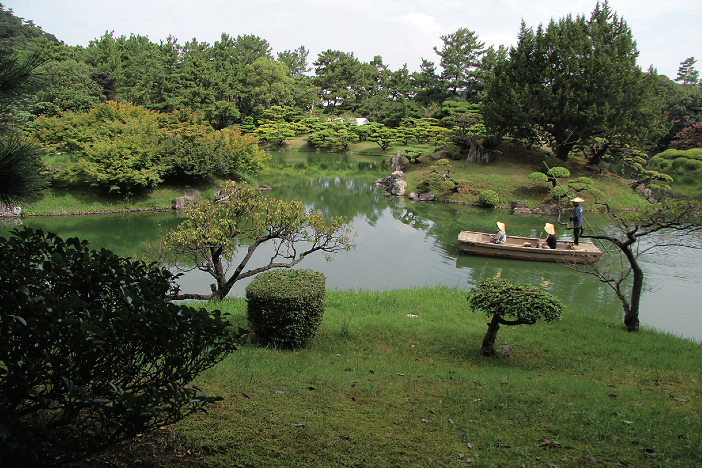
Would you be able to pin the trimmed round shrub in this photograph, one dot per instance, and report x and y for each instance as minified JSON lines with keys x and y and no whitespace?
{"x":452,"y":151}
{"x":488,"y":198}
{"x":286,"y":307}
{"x":679,"y":163}
{"x":538,"y":177}
{"x":558,"y":172}
{"x":425,"y":185}
{"x":693,"y":164}
{"x":559,"y":191}
{"x":584,"y":180}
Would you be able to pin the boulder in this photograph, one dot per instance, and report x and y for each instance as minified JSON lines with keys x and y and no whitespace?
{"x":518,"y":204}
{"x":428,"y":196}
{"x":548,"y":209}
{"x":180,"y":203}
{"x":395,"y":183}
{"x":191,"y":192}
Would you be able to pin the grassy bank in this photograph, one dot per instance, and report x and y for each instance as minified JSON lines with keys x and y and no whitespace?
{"x":395,"y":379}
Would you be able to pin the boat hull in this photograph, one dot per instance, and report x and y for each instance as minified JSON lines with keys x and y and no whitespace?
{"x":478,"y":243}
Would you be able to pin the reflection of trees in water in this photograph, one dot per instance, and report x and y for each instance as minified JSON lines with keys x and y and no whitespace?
{"x":334,"y":196}
{"x":125,"y":234}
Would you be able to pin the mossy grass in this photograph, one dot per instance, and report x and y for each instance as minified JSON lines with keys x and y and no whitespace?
{"x":395,"y":379}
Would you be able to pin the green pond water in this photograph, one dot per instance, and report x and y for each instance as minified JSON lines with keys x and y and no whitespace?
{"x":405,"y":244}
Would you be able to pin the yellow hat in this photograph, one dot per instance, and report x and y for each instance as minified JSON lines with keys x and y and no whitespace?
{"x":577,"y":200}
{"x":500,"y":226}
{"x":550,"y":228}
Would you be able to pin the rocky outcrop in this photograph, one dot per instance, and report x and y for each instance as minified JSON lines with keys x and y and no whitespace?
{"x":9,"y":210}
{"x":519,"y":208}
{"x":394,"y":184}
{"x":187,"y":199}
{"x":428,"y":196}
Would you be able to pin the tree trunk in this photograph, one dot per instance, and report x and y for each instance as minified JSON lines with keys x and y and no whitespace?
{"x":631,"y":318}
{"x":488,"y":348}
{"x":473,"y":152}
{"x":563,"y":150}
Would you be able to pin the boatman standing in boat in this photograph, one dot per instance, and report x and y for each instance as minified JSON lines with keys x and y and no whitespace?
{"x":501,"y":236}
{"x":577,"y":219}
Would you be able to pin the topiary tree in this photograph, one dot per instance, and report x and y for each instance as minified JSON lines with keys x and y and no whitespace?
{"x":92,"y":352}
{"x":488,"y":198}
{"x":285,"y":307}
{"x":511,"y":304}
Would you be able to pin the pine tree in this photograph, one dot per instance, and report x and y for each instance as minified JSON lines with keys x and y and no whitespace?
{"x":571,"y":82}
{"x":687,"y":73}
{"x":20,"y":160}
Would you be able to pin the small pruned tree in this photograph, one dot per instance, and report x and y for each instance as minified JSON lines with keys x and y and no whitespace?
{"x":215,"y":231}
{"x":666,"y":222}
{"x":511,"y":304}
{"x":92,"y":351}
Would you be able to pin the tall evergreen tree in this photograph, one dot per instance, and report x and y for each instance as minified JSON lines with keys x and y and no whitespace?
{"x":20,"y":159}
{"x":296,"y":61}
{"x":687,"y":73}
{"x":574,"y":81}
{"x":460,"y":59}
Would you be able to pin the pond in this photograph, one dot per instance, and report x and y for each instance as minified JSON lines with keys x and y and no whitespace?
{"x":405,"y":244}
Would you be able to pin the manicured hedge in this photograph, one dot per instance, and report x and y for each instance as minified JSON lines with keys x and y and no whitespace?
{"x":286,"y":307}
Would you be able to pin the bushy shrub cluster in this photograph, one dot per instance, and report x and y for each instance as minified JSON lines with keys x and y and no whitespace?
{"x":122,"y":148}
{"x":488,"y":198}
{"x":679,"y":161}
{"x":92,"y":352}
{"x":452,"y":151}
{"x":426,"y":185}
{"x":285,"y":307}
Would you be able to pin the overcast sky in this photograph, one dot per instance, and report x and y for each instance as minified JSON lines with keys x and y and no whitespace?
{"x":401,"y":31}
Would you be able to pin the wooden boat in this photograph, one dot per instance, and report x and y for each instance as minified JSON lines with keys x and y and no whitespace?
{"x":478,"y":243}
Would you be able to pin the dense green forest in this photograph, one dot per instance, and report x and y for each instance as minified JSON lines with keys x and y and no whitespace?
{"x":572,"y":85}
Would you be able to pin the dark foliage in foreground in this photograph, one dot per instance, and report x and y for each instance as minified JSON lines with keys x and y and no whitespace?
{"x":92,"y":353}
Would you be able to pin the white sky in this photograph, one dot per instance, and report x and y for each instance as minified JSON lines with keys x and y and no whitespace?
{"x":401,"y":31}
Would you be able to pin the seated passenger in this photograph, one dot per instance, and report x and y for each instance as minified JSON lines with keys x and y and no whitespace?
{"x":501,"y":236}
{"x":550,"y":242}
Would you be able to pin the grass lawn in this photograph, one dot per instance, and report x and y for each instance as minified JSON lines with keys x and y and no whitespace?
{"x":395,"y":379}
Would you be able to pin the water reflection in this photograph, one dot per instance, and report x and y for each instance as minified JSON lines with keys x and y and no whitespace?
{"x":404,"y":244}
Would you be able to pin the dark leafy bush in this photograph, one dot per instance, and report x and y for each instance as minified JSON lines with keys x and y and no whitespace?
{"x":426,"y":185}
{"x":91,"y":351}
{"x":511,"y":304}
{"x":488,"y":198}
{"x":286,"y":307}
{"x":492,"y":141}
{"x":452,"y":151}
